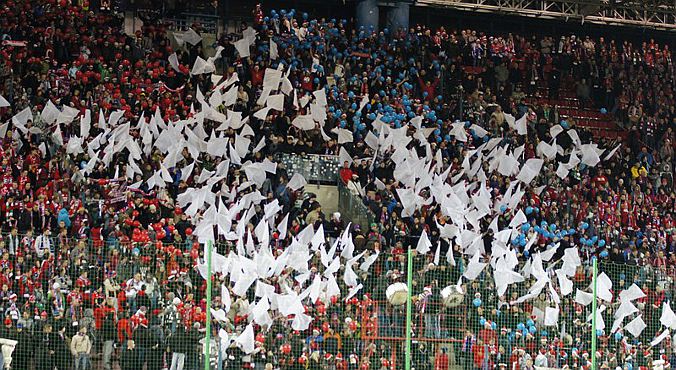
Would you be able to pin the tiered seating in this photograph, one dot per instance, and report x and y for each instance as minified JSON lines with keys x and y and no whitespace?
{"x":602,"y":125}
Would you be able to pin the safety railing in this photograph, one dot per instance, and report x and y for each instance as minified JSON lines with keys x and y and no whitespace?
{"x":352,"y":205}
{"x":318,"y":169}
{"x":208,"y":23}
{"x":475,"y":328}
{"x":472,"y":327}
{"x":323,"y":169}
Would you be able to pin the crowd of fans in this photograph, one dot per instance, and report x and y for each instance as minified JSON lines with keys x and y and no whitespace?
{"x":93,"y":269}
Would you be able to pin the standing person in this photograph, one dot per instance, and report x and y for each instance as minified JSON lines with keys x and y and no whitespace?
{"x":171,"y":316}
{"x":112,"y":288}
{"x":466,"y":358}
{"x":142,"y":299}
{"x":142,"y":341}
{"x":24,"y":348}
{"x":108,"y":332}
{"x":80,"y":347}
{"x":178,"y":346}
{"x":45,"y":343}
{"x":194,"y":348}
{"x":61,"y":351}
{"x":422,"y":358}
{"x":441,"y":360}
{"x":158,"y":346}
{"x":43,"y":244}
{"x":129,"y":360}
{"x":124,"y":332}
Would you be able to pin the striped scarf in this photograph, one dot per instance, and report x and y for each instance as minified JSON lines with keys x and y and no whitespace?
{"x":423,"y":299}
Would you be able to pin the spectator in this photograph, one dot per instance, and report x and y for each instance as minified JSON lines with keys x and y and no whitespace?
{"x":80,"y":347}
{"x":108,"y":337}
{"x":583,"y":91}
{"x":346,"y":173}
{"x":467,"y":351}
{"x":46,"y":348}
{"x":24,"y":348}
{"x":129,"y":359}
{"x":179,"y":345}
{"x":441,"y":360}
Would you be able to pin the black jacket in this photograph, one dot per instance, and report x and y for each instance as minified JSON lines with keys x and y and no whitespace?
{"x":129,"y":360}
{"x":142,"y":338}
{"x":24,"y":345}
{"x":179,"y":341}
{"x":108,"y":328}
{"x":62,"y":355}
{"x":143,"y":300}
{"x":8,"y":333}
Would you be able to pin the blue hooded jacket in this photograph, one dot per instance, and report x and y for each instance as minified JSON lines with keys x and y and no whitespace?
{"x":63,"y":216}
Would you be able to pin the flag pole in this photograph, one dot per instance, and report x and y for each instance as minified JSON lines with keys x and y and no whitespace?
{"x":409,"y":284}
{"x":593,"y":339}
{"x":207,"y":339}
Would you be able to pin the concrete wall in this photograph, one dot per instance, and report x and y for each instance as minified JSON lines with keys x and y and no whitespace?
{"x":327,"y":196}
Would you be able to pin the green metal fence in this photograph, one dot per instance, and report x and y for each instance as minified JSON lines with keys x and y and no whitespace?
{"x":476,"y":328}
{"x":437,"y":325}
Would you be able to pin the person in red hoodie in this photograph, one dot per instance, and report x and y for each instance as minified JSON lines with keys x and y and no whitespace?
{"x":124,"y":331}
{"x":103,"y":308}
{"x":481,"y":356}
{"x":346,"y":173}
{"x":441,"y":360}
{"x":257,"y":75}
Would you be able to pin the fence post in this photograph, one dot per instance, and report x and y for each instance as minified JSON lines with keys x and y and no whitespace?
{"x":593,"y":339}
{"x":207,"y":339}
{"x":409,"y":283}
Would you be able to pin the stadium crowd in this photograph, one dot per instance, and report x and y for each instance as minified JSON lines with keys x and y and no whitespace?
{"x":92,"y":268}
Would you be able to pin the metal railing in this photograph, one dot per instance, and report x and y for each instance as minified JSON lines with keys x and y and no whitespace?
{"x":315,"y":168}
{"x":208,"y":23}
{"x":353,"y":208}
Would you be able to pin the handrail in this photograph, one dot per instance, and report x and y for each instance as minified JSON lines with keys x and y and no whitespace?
{"x":354,"y":207}
{"x":208,"y":23}
{"x":315,"y":168}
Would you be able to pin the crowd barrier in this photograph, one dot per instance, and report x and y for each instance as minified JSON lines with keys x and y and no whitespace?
{"x":477,"y":330}
{"x":486,"y":331}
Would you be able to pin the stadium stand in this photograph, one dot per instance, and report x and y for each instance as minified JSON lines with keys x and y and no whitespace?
{"x":108,"y":138}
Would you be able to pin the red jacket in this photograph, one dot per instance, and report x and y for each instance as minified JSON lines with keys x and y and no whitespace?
{"x":100,"y":314}
{"x":257,"y":77}
{"x":488,"y":336}
{"x":431,"y":89}
{"x":121,"y":299}
{"x":478,"y":354}
{"x":123,"y":330}
{"x":441,"y":362}
{"x":346,"y":175}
